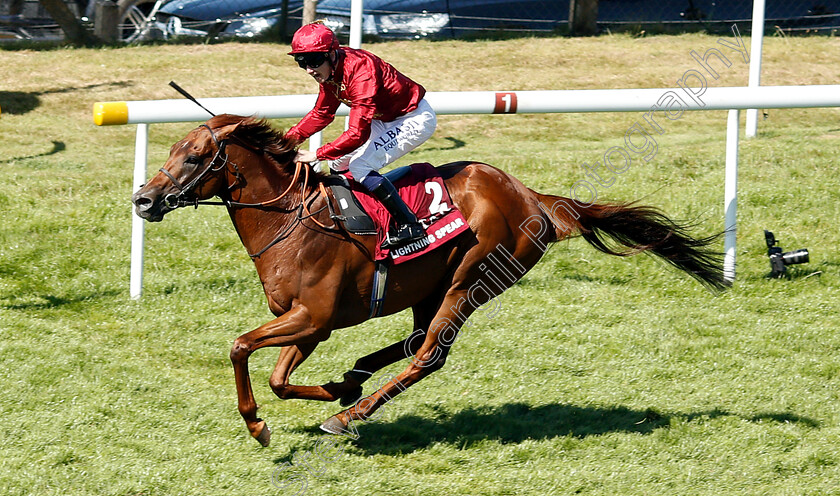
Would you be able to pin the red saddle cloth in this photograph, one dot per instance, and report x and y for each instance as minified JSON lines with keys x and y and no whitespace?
{"x":425,"y":194}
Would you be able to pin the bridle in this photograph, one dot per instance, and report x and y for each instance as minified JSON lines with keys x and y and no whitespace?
{"x":182,"y":199}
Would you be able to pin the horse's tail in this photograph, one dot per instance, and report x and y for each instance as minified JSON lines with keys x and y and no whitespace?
{"x":625,"y":229}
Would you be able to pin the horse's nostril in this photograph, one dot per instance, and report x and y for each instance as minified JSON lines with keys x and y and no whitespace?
{"x":142,"y":202}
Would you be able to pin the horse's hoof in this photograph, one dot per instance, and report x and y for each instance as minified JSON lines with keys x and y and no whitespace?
{"x":333,"y":426}
{"x":351,"y":397}
{"x":264,"y":437}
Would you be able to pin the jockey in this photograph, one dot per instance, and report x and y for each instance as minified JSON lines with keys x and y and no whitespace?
{"x":388,"y":118}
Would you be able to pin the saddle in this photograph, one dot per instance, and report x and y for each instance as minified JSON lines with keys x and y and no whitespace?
{"x":350,"y":212}
{"x":422,"y":189}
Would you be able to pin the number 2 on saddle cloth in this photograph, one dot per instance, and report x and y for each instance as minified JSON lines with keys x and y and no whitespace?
{"x":424,"y":191}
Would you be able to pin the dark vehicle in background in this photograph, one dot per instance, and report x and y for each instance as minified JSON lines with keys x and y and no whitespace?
{"x":384,"y":18}
{"x":455,"y":18}
{"x":28,"y":20}
{"x":136,"y":18}
{"x":161,"y":19}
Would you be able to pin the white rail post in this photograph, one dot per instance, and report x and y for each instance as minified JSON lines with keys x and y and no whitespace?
{"x":756,"y":43}
{"x":141,"y":147}
{"x":315,"y":141}
{"x":730,"y":194}
{"x":356,"y":7}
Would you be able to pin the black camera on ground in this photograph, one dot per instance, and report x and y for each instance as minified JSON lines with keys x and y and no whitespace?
{"x":779,"y":260}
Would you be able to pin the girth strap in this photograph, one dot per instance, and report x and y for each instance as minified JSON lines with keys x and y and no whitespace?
{"x":380,"y":282}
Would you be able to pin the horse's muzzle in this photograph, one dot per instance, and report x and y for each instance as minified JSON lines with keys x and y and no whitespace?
{"x":149,"y":206}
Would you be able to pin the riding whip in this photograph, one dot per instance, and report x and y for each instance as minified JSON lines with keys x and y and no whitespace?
{"x":189,"y":97}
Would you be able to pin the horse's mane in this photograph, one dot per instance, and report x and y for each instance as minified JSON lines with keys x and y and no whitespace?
{"x":259,"y":134}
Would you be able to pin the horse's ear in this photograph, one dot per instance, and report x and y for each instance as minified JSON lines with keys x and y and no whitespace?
{"x":225,"y":131}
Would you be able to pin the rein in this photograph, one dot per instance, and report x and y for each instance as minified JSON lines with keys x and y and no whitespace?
{"x":302,"y":213}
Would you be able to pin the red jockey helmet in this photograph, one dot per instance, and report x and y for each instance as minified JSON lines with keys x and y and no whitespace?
{"x":314,"y":37}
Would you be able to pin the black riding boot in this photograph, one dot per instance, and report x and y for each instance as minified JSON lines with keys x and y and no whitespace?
{"x":408,"y":228}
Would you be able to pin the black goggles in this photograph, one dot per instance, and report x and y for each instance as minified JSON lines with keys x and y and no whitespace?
{"x":311,"y":60}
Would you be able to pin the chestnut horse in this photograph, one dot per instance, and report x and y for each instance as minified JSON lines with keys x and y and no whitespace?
{"x":318,"y":277}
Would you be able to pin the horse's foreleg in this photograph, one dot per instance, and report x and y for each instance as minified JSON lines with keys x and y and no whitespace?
{"x":294,"y":327}
{"x":350,"y":389}
{"x":430,"y":355}
{"x":290,"y":358}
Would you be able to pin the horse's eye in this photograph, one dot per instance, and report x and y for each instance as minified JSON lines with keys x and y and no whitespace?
{"x":192,"y":160}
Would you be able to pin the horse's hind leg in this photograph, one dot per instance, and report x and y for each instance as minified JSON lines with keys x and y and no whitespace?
{"x":365,"y":367}
{"x":430,"y":356}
